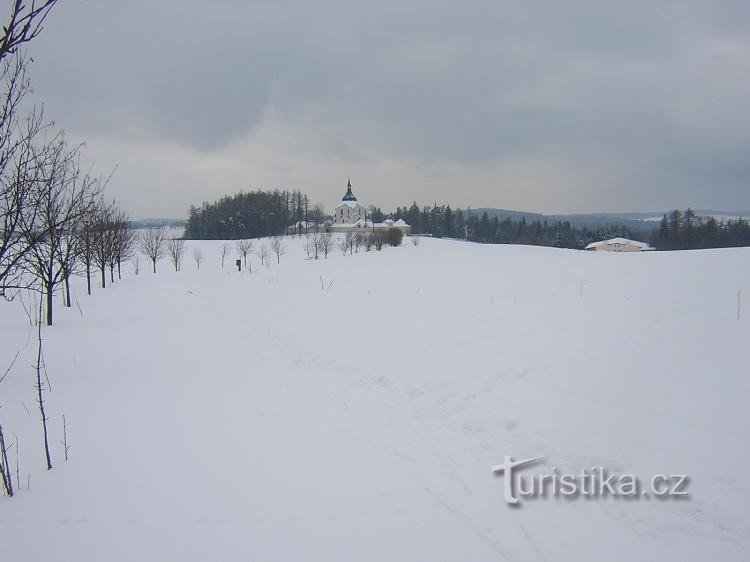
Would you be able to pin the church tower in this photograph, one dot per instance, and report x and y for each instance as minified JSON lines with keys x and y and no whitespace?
{"x":349,"y":196}
{"x":349,"y":211}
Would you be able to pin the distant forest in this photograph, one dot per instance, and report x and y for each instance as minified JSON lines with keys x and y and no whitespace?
{"x":442,"y":221}
{"x":259,"y":213}
{"x":251,"y":214}
{"x":686,"y":231}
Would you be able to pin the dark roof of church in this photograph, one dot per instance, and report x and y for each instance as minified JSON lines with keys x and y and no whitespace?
{"x":349,"y":196}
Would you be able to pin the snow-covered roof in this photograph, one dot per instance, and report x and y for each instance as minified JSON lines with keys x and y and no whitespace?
{"x":626,"y":241}
{"x":350,"y":204}
{"x":401,"y":222}
{"x":302,"y":224}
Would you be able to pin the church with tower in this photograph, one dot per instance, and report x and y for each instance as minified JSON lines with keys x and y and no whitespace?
{"x":349,"y":211}
{"x":349,"y":215}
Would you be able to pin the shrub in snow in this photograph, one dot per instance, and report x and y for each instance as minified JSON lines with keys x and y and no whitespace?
{"x":393,"y":237}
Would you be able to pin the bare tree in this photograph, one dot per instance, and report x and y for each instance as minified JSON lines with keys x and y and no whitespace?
{"x":358,"y":240}
{"x":348,"y":242}
{"x":24,"y":24}
{"x":103,"y":239}
{"x":176,"y":251}
{"x":19,"y":171}
{"x":224,"y":253}
{"x":152,"y":245}
{"x":19,"y":174}
{"x":317,"y":215}
{"x":42,"y":385}
{"x":244,"y":247}
{"x":123,"y":242}
{"x":262,"y":254}
{"x":198,"y":257}
{"x":85,"y":240}
{"x":7,"y":477}
{"x":325,"y":243}
{"x":317,"y":239}
{"x":66,"y":195}
{"x":278,"y":247}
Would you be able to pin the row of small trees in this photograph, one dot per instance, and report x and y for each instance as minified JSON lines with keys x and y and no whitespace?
{"x":321,"y":243}
{"x":53,"y":222}
{"x":154,"y":244}
{"x":43,"y":191}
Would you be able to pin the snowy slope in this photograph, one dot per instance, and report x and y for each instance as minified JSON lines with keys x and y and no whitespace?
{"x":216,"y":415}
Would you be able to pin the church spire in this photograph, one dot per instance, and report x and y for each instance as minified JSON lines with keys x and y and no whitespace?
{"x":349,"y":196}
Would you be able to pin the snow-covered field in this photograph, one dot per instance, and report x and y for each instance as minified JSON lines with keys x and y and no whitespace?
{"x":217,"y":415}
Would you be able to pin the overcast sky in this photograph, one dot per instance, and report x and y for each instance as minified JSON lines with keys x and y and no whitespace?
{"x":549,"y":106}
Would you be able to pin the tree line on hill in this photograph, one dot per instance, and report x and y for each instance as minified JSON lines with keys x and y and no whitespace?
{"x":443,"y":221}
{"x":252,"y":214}
{"x":260,"y":213}
{"x":686,"y":231}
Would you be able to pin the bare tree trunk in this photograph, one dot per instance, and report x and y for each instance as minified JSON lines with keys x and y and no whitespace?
{"x":154,"y":262}
{"x":69,"y":304}
{"x":65,"y":439}
{"x":119,"y":265}
{"x":4,"y":466}
{"x":48,"y":294}
{"x":104,"y":279}
{"x":88,"y":279}
{"x":39,"y":384}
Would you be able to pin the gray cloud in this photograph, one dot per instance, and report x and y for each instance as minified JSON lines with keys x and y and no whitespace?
{"x":547,"y":106}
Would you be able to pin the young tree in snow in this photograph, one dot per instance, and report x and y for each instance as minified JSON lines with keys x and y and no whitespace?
{"x":316,"y":243}
{"x":325,"y":243}
{"x":124,"y":240}
{"x":19,"y":174}
{"x":262,"y":254}
{"x":224,"y":253}
{"x":5,"y":473}
{"x":19,"y":170}
{"x":244,"y":247}
{"x":42,"y":385}
{"x":176,"y":251}
{"x":278,"y":247}
{"x":103,"y":239}
{"x":198,"y":257}
{"x":65,"y":197}
{"x":85,"y":240}
{"x":152,"y":245}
